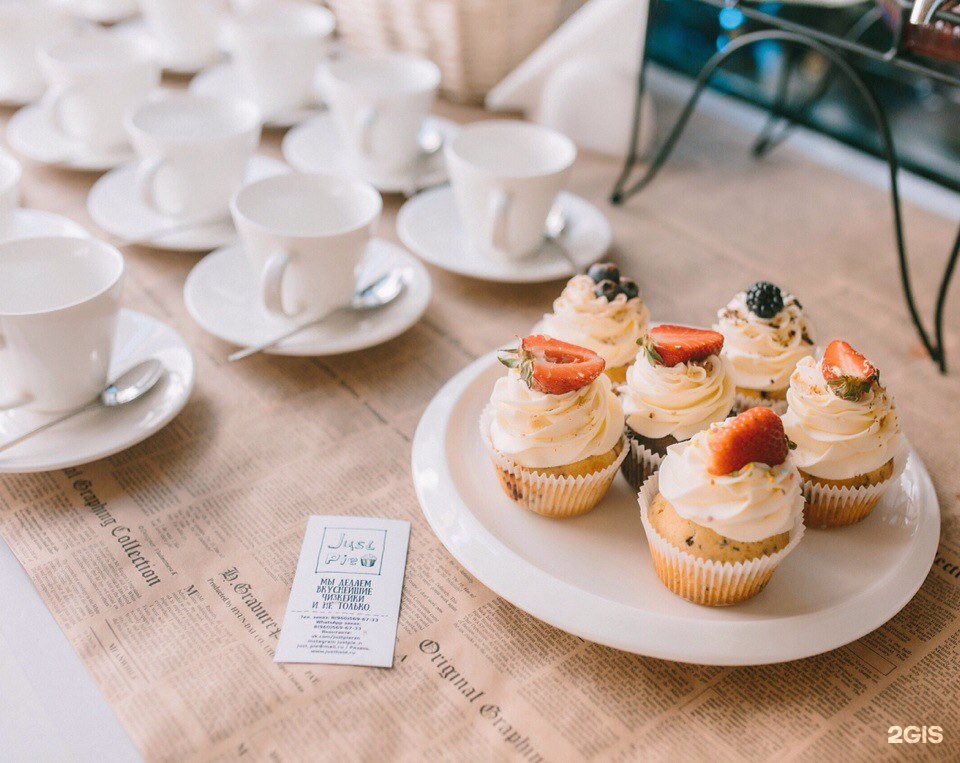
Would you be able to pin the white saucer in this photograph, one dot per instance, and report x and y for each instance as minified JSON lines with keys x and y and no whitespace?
{"x":100,"y":433}
{"x":222,"y":297}
{"x":115,"y":206}
{"x":224,"y":79}
{"x":429,"y":225}
{"x":31,"y":223}
{"x":315,"y":146}
{"x":122,"y":10}
{"x":30,"y":133}
{"x":592,"y":575}
{"x":138,"y":31}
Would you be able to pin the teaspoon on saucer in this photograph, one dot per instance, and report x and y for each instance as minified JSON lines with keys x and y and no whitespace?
{"x":379,"y":292}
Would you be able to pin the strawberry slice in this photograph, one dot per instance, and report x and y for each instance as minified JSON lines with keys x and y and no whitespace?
{"x":755,"y":436}
{"x":668,"y":345}
{"x":848,"y":374}
{"x":553,"y":367}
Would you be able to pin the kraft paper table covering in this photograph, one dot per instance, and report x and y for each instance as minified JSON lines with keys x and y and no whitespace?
{"x":267,"y":442}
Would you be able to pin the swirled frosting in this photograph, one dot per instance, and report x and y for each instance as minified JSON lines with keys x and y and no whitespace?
{"x":610,"y":329}
{"x":837,"y":438}
{"x":538,"y":430}
{"x":764,"y":351}
{"x":757,"y":502}
{"x":678,"y":400}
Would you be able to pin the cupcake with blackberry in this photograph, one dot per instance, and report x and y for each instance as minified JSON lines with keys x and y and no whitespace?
{"x":603,"y":312}
{"x":847,"y":432}
{"x":724,"y":510}
{"x":554,"y":427}
{"x":765,"y":334}
{"x":678,"y":385}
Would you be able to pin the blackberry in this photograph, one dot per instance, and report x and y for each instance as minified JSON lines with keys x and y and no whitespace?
{"x":629,"y":287}
{"x":607,"y":288}
{"x":604,"y":271}
{"x":764,"y":299}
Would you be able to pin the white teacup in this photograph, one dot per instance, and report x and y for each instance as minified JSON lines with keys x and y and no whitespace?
{"x":103,"y":10}
{"x":26,"y":26}
{"x":59,"y":302}
{"x":506,"y":175}
{"x":277,"y":48}
{"x":187,"y":31}
{"x":193,"y":151}
{"x":379,"y":102}
{"x":306,"y":235}
{"x":93,"y":80}
{"x":10,"y":174}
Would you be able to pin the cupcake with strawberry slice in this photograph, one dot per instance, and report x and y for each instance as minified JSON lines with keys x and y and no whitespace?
{"x":724,"y":510}
{"x":603,"y":312}
{"x":847,"y":432}
{"x":766,"y":333}
{"x":678,"y":385}
{"x":554,"y":427}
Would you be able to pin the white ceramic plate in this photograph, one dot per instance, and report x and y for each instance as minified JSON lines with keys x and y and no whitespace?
{"x":429,"y":225}
{"x":115,"y":205}
{"x":31,"y":223}
{"x":221,"y":294}
{"x":102,"y":432}
{"x":592,"y":575}
{"x":315,"y":146}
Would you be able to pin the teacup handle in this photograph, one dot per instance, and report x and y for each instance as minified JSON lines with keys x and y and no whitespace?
{"x":271,"y":283}
{"x":499,"y":231}
{"x":147,"y":172}
{"x":54,"y":106}
{"x":366,"y":119}
{"x":17,"y":402}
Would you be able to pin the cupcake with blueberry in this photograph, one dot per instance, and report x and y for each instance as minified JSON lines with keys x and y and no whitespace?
{"x":847,"y":432}
{"x":603,"y":312}
{"x":554,"y":427}
{"x":724,"y":510}
{"x":766,"y":333}
{"x":678,"y":385}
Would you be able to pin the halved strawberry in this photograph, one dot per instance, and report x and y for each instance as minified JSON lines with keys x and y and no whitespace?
{"x":669,"y":345}
{"x":551,"y":366}
{"x":847,"y":373}
{"x":756,"y":435}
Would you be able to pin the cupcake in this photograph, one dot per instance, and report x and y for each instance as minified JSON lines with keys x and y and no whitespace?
{"x":765,"y":334}
{"x":724,"y":510}
{"x":603,"y":312}
{"x":678,"y":385}
{"x":554,"y":427}
{"x":847,"y":433}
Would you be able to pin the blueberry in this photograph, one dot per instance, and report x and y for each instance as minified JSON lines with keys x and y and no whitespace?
{"x":607,"y":288}
{"x":604,"y":271}
{"x":629,"y":287}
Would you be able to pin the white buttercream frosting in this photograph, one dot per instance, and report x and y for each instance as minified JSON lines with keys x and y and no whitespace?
{"x":678,"y":400}
{"x":838,"y":438}
{"x":537,"y":430}
{"x":755,"y":503}
{"x":764,"y":351}
{"x":609,"y":328}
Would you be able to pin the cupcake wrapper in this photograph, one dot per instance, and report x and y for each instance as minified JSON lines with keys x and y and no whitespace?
{"x":549,"y":495}
{"x":828,"y":506}
{"x":744,"y":401}
{"x":640,"y":463}
{"x":705,"y":581}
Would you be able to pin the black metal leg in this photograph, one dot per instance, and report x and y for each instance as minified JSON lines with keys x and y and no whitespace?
{"x":767,"y":135}
{"x":936,"y":351}
{"x":942,"y":298}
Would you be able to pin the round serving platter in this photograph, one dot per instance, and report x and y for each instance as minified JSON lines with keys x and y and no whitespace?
{"x":592,"y":576}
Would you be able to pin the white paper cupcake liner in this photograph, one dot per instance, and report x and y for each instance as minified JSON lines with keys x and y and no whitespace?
{"x":829,"y":506}
{"x":640,"y":463}
{"x":549,"y":495}
{"x":743,"y":401}
{"x":706,"y":581}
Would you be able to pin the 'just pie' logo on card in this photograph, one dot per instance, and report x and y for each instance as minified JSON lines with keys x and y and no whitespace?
{"x":354,"y":550}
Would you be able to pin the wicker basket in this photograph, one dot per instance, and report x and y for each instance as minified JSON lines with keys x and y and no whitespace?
{"x":476,"y":43}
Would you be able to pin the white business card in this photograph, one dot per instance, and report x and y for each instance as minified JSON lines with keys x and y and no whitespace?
{"x":345,"y":600}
